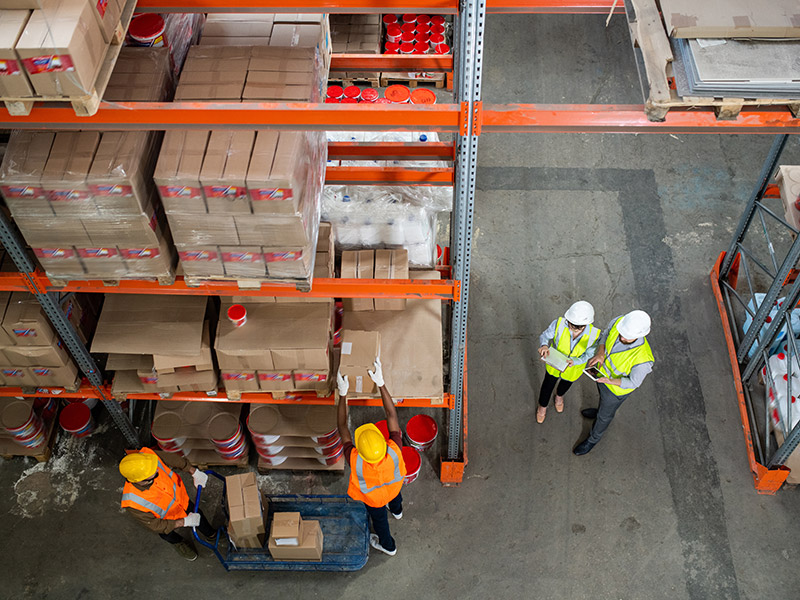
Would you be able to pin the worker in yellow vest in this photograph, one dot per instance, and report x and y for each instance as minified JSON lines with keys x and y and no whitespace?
{"x":576,"y":338}
{"x":156,"y":497}
{"x":623,"y":359}
{"x":377,"y":470}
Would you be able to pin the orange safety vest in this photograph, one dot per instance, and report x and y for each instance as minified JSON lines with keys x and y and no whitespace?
{"x":166,"y":497}
{"x":377,"y":484}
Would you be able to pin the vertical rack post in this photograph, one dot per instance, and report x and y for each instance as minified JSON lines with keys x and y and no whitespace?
{"x":468,"y":68}
{"x":58,"y":319}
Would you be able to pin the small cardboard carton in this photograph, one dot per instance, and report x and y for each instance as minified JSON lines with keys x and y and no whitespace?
{"x":64,"y":176}
{"x":63,"y":376}
{"x":37,"y":356}
{"x":275,"y":181}
{"x":240,"y":381}
{"x":177,"y":173}
{"x":316,"y":381}
{"x":25,"y":322}
{"x":359,"y":350}
{"x":201,"y":261}
{"x":247,"y":510}
{"x":275,"y":381}
{"x":285,"y":530}
{"x":18,"y":376}
{"x":21,"y":172}
{"x":201,"y":230}
{"x":391,"y":264}
{"x":13,"y":78}
{"x":309,"y":547}
{"x":165,"y":364}
{"x":225,"y":170}
{"x":243,"y":261}
{"x":358,"y":264}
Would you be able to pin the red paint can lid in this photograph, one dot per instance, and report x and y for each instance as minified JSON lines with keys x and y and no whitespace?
{"x":423,"y":28}
{"x":388,"y":51}
{"x":409,"y":27}
{"x":383,"y":427}
{"x":335,"y":91}
{"x":437,"y":29}
{"x":423,"y":19}
{"x":406,"y":38}
{"x":406,"y":48}
{"x":392,"y":46}
{"x":332,"y":100}
{"x":421,"y":47}
{"x":441,"y":49}
{"x":423,"y":37}
{"x":421,"y":429}
{"x":393,"y":30}
{"x":349,"y":101}
{"x":409,"y":18}
{"x":437,"y":38}
{"x":398,"y":93}
{"x":412,"y":459}
{"x":437,"y":20}
{"x":369,"y":95}
{"x":75,"y":416}
{"x":237,"y":312}
{"x":389,"y":19}
{"x":423,"y":96}
{"x":352,"y":91}
{"x":383,"y":101}
{"x":146,"y":26}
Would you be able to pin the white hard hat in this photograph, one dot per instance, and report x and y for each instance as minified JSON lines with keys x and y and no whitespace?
{"x":634,"y":325}
{"x":580,"y":313}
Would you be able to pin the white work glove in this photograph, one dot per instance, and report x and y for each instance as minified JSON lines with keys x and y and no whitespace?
{"x":377,"y":374}
{"x":191,"y":520}
{"x":200,"y":479}
{"x":343,"y":383}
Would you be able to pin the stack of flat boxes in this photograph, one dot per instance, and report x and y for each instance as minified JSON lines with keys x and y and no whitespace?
{"x":356,"y":34}
{"x":85,"y":201}
{"x":198,"y":423}
{"x":243,"y":204}
{"x":156,"y":344}
{"x":374,"y":264}
{"x":31,"y":353}
{"x":57,"y":49}
{"x":300,"y":429}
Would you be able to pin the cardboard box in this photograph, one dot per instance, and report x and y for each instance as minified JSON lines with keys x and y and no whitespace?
{"x":238,"y":361}
{"x":225,"y":170}
{"x":241,"y":26}
{"x":177,"y":173}
{"x":144,"y":324}
{"x":243,"y":261}
{"x":187,"y":379}
{"x":358,"y":264}
{"x":124,"y":231}
{"x":25,"y":322}
{"x":52,"y":232}
{"x":731,"y":18}
{"x":273,"y":231}
{"x":202,"y":361}
{"x":126,"y":362}
{"x":37,"y":356}
{"x":289,"y":263}
{"x":60,"y":261}
{"x":247,"y":510}
{"x":242,"y":381}
{"x":64,"y":376}
{"x":18,"y":377}
{"x":290,"y":359}
{"x":13,"y":78}
{"x":288,"y":60}
{"x":107,"y":14}
{"x":21,"y":173}
{"x":309,"y":548}
{"x":64,"y":175}
{"x":317,"y":381}
{"x":275,"y":381}
{"x":234,"y":41}
{"x":285,"y":529}
{"x":82,"y":310}
{"x":150,"y":260}
{"x":103,"y":262}
{"x":359,"y":349}
{"x":203,"y":230}
{"x":391,"y":264}
{"x":201,"y":261}
{"x":203,"y":91}
{"x":63,"y":49}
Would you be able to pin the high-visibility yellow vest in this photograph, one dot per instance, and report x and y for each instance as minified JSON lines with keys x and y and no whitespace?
{"x":562,"y":339}
{"x":620,"y":364}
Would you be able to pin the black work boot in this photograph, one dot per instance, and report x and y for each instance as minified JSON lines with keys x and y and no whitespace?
{"x":583,"y":448}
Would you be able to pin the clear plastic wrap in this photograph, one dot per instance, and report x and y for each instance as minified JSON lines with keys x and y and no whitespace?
{"x":176,"y":31}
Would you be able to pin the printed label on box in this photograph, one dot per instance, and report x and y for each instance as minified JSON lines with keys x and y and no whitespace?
{"x":101,"y":7}
{"x":148,"y":379}
{"x":111,"y":190}
{"x":180,"y":191}
{"x":310,"y":377}
{"x":231,"y":192}
{"x":22,"y":191}
{"x":41,"y":371}
{"x":140,"y":252}
{"x":68,"y":195}
{"x":242,"y":257}
{"x":97,"y":252}
{"x":9,"y":67}
{"x":54,"y":63}
{"x":238,"y":376}
{"x":271,"y":194}
{"x":54,"y":253}
{"x":191,"y":255}
{"x":13,"y":373}
{"x":347,"y":347}
{"x":359,"y":384}
{"x":275,"y":376}
{"x":283,"y":256}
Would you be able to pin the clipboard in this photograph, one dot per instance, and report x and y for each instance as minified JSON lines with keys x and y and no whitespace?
{"x":557,"y":360}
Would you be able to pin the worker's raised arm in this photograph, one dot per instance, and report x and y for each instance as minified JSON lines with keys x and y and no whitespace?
{"x":343,"y":384}
{"x":392,"y":422}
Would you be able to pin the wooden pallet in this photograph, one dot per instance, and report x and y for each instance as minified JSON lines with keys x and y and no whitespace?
{"x":41,"y":454}
{"x":300,"y":464}
{"x":654,"y":62}
{"x":301,"y":285}
{"x":62,"y":282}
{"x":84,"y":106}
{"x":438,"y":80}
{"x":359,"y":81}
{"x":203,"y":459}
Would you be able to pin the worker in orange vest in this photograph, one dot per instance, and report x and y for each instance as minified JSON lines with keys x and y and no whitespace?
{"x":377,"y":470}
{"x":155,"y":495}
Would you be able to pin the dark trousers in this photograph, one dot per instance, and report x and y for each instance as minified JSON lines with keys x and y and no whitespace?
{"x":609,"y":403}
{"x":548,"y":383}
{"x":380,"y":521}
{"x":173,"y":537}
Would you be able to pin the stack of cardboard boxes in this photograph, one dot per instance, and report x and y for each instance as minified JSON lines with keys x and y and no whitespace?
{"x":359,"y":351}
{"x":193,"y":427}
{"x":156,"y":344}
{"x":296,"y":437}
{"x":356,"y":34}
{"x":54,"y":49}
{"x":374,"y":264}
{"x":85,"y":201}
{"x":31,"y":353}
{"x":241,"y":204}
{"x":247,"y":510}
{"x":282,"y":347}
{"x":293,"y":538}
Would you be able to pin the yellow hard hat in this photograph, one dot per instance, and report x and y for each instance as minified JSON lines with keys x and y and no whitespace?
{"x":138,"y":466}
{"x":370,"y":443}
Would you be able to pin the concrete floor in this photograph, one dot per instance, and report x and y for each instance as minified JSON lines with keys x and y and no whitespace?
{"x":663,"y":507}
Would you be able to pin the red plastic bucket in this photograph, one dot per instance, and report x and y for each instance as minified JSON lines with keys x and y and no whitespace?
{"x":423,"y":19}
{"x":45,"y":407}
{"x":437,"y":20}
{"x":423,"y":28}
{"x":76,"y":418}
{"x":34,"y":440}
{"x":421,"y":47}
{"x":408,"y":37}
{"x":437,"y":29}
{"x":330,"y":449}
{"x":441,"y":49}
{"x":332,"y":100}
{"x":393,"y":33}
{"x":393,"y":51}
{"x":349,"y":101}
{"x":271,"y":460}
{"x":422,"y":38}
{"x":423,"y":96}
{"x":232,"y":441}
{"x":369,"y":95}
{"x":408,"y":27}
{"x":147,"y":30}
{"x":234,"y":452}
{"x":331,"y":459}
{"x":413,"y":463}
{"x":392,"y":46}
{"x":436,"y":39}
{"x":398,"y":93}
{"x":406,"y":48}
{"x":238,"y":315}
{"x":327,"y":438}
{"x":409,"y":18}
{"x":335,"y":91}
{"x":389,"y":19}
{"x":384,"y":428}
{"x":381,"y":101}
{"x":170,"y":444}
{"x":421,"y":432}
{"x":352,"y":91}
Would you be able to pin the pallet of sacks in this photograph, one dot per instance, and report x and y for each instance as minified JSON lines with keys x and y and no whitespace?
{"x":59,"y":51}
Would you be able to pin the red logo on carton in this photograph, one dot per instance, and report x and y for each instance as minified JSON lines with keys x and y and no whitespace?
{"x":41,"y":371}
{"x":13,"y":373}
{"x":67,"y":195}
{"x":140,"y":252}
{"x":238,"y":376}
{"x":310,"y":377}
{"x":97,"y":252}
{"x":275,"y":376}
{"x":190,"y":255}
{"x":111,"y":190}
{"x":54,"y":253}
{"x":231,"y":192}
{"x":271,"y":194}
{"x":242,"y":257}
{"x":101,"y":7}
{"x":180,"y":191}
{"x":9,"y":67}
{"x":283,"y":256}
{"x":22,"y":191}
{"x":54,"y":63}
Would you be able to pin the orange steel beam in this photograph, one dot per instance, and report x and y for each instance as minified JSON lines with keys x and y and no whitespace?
{"x":612,"y":118}
{"x":584,"y":7}
{"x":767,"y":481}
{"x":388,"y":176}
{"x":392,"y":151}
{"x":391,"y":62}
{"x":445,"y":289}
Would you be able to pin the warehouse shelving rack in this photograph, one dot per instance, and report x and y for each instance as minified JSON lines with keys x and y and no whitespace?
{"x":467,"y":117}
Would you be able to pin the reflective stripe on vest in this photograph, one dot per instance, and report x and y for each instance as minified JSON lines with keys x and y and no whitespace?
{"x":563,"y":342}
{"x":620,"y":364}
{"x":145,"y":504}
{"x":362,"y":484}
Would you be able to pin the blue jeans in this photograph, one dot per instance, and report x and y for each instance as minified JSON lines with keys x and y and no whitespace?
{"x":380,"y":521}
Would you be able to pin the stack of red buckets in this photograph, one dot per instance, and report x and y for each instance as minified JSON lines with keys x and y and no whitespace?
{"x":415,"y":34}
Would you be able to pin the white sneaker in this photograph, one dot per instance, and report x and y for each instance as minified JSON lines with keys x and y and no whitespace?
{"x":397,"y":516}
{"x":373,"y":541}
